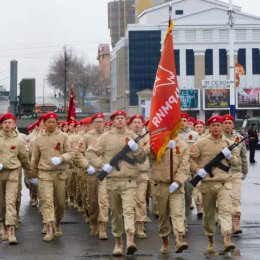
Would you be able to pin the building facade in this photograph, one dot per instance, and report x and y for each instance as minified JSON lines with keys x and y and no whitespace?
{"x":201,"y":45}
{"x":120,"y":14}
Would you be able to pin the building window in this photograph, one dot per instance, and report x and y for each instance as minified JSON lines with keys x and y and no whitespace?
{"x":209,"y":62}
{"x":190,"y":71}
{"x":256,"y":60}
{"x":144,"y":57}
{"x":178,"y":12}
{"x":222,"y":62}
{"x":177,"y":61}
{"x":241,"y":58}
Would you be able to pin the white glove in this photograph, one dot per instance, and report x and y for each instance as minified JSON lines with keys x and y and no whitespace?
{"x":90,"y":170}
{"x":56,"y":160}
{"x":107,"y":168}
{"x":173,"y":187}
{"x":227,"y":153}
{"x":1,"y":167}
{"x":202,"y":173}
{"x":171,"y":144}
{"x":133,"y":145}
{"x":34,"y":181}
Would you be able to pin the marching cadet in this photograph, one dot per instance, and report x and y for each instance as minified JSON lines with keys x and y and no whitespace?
{"x":143,"y":177}
{"x":13,"y":156}
{"x":190,"y":137}
{"x":72,"y":172}
{"x":121,"y":185}
{"x":107,"y":126}
{"x":219,"y":187}
{"x":238,"y":173}
{"x":96,"y":198}
{"x":199,"y":128}
{"x":168,"y":186}
{"x":51,"y":153}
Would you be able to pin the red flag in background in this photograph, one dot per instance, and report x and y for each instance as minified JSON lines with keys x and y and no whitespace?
{"x":71,"y":114}
{"x":165,"y":113}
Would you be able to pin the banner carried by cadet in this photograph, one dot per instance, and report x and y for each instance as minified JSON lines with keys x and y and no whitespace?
{"x":71,"y":115}
{"x":165,"y":113}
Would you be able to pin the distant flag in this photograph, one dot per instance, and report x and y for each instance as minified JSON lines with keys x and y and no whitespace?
{"x":165,"y":113}
{"x":71,"y":114}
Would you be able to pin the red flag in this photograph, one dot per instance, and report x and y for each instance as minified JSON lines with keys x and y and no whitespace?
{"x":71,"y":114}
{"x":165,"y":113}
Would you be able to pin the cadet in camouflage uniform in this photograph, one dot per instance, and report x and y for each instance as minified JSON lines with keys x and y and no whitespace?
{"x":238,"y":173}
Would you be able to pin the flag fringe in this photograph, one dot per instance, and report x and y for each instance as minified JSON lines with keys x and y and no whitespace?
{"x":173,"y":134}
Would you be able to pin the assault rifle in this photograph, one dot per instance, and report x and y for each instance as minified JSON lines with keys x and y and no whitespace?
{"x":215,"y":162}
{"x":121,"y":156}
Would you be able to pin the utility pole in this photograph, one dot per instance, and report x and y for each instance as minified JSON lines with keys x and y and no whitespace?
{"x":65,"y":78}
{"x":232,"y":109}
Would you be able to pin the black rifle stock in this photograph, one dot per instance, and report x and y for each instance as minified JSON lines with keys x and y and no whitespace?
{"x":215,"y":162}
{"x":121,"y":156}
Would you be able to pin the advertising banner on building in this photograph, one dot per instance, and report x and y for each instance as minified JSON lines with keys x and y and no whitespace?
{"x":190,"y":99}
{"x":248,"y":98}
{"x":216,"y":99}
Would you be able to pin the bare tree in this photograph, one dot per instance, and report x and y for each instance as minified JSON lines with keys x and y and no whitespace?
{"x":79,"y":71}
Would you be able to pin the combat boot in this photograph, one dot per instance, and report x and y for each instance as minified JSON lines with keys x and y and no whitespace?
{"x":71,"y":201}
{"x":103,"y":231}
{"x":236,"y":223}
{"x":57,"y":229}
{"x":228,"y":244}
{"x":211,"y":246}
{"x":49,"y":233}
{"x":11,"y":235}
{"x":4,"y":233}
{"x":180,"y":244}
{"x":118,"y":249}
{"x":130,"y":245}
{"x":93,"y":229}
{"x":43,"y":229}
{"x":165,"y":246}
{"x":34,"y":200}
{"x":140,"y":230}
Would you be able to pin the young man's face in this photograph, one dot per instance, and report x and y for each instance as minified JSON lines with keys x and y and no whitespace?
{"x":228,"y":125}
{"x":51,"y":125}
{"x":215,"y":128}
{"x":8,"y":125}
{"x":98,"y":124}
{"x":137,"y":125}
{"x":119,"y":122}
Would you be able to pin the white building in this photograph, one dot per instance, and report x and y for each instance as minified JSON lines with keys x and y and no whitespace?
{"x":201,"y":43}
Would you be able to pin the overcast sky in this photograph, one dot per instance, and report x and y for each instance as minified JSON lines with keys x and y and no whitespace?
{"x":33,"y":32}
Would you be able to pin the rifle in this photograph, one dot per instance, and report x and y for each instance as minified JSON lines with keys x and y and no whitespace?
{"x":121,"y":156}
{"x":215,"y":162}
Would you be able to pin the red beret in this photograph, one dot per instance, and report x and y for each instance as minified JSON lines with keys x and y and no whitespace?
{"x":50,"y":115}
{"x":108,"y":123}
{"x":185,"y":115}
{"x":7,"y":116}
{"x":97,"y":115}
{"x":199,"y":122}
{"x":72,"y":122}
{"x":64,"y":124}
{"x":228,"y":117}
{"x":128,"y":121}
{"x":118,"y":113}
{"x":191,"y":119}
{"x":86,"y":121}
{"x":30,"y":127}
{"x":41,"y":117}
{"x":215,"y":119}
{"x":137,"y":116}
{"x":146,"y":123}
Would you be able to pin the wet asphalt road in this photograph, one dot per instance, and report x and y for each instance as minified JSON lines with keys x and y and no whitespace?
{"x":78,"y":244}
